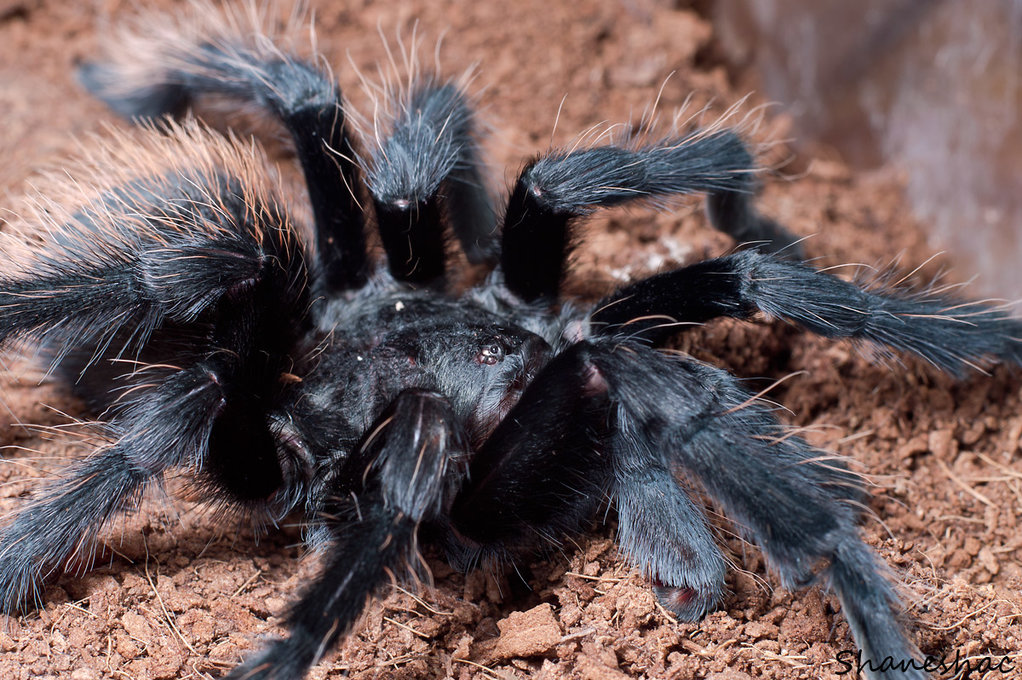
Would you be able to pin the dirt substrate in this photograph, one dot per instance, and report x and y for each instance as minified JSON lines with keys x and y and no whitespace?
{"x":180,"y":596}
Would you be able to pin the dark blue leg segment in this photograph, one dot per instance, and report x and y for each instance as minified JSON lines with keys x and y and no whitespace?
{"x":300,"y":95}
{"x":555,"y":190}
{"x":403,"y":474}
{"x":424,"y":171}
{"x":951,"y":334}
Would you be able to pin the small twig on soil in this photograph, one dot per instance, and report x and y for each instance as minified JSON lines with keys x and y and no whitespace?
{"x":396,"y":661}
{"x":987,"y":480}
{"x":163,"y":607}
{"x":407,"y":627}
{"x":81,"y":609}
{"x":247,"y":582}
{"x":968,"y":616}
{"x":485,"y":669}
{"x":606,"y":579}
{"x":577,"y":634}
{"x":422,"y":602}
{"x":793,"y":660}
{"x":693,"y":647}
{"x":962,"y":485}
{"x":962,"y":518}
{"x":219,"y":664}
{"x":1015,"y":490}
{"x":697,"y":649}
{"x":198,"y":673}
{"x":1004,"y":468}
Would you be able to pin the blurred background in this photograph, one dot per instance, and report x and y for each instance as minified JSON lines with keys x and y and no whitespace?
{"x":931,"y":86}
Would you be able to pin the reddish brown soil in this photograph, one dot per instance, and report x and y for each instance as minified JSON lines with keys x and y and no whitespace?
{"x":183,"y":597}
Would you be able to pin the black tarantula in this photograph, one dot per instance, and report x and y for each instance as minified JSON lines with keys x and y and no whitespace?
{"x":184,"y":302}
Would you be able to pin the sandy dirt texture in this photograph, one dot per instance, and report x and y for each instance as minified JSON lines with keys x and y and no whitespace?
{"x":179,"y":595}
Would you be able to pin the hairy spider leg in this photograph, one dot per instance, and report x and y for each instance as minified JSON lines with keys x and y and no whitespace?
{"x":169,"y":427}
{"x":135,"y":276}
{"x":541,"y":474}
{"x":166,"y":249}
{"x":554,"y":190}
{"x":799,"y":504}
{"x":425,"y":170}
{"x":403,"y":473}
{"x":949,"y":333}
{"x":662,"y":416}
{"x":662,"y":530}
{"x":173,"y":72}
{"x":559,"y":454}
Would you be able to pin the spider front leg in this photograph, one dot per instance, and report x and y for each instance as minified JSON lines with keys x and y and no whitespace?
{"x":949,"y":333}
{"x":190,"y":272}
{"x":167,"y":247}
{"x":160,"y":417}
{"x":555,"y":190}
{"x":423,"y":171}
{"x":554,"y":459}
{"x":404,"y":473}
{"x":662,"y":416}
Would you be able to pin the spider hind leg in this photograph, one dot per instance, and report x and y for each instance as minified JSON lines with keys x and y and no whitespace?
{"x":950,"y":334}
{"x":149,"y":74}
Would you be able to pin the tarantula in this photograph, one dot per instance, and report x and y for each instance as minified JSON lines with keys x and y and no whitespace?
{"x":219,"y":330}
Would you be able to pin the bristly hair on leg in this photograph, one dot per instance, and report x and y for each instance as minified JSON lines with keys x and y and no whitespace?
{"x":136,"y":72}
{"x":230,"y":54}
{"x":148,"y":198}
{"x":424,"y":164}
{"x":561,"y":187}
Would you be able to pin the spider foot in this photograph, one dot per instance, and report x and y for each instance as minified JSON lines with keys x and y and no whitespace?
{"x":686,"y":603}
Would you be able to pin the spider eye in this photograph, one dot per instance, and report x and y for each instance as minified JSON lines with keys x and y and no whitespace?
{"x":490,"y":354}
